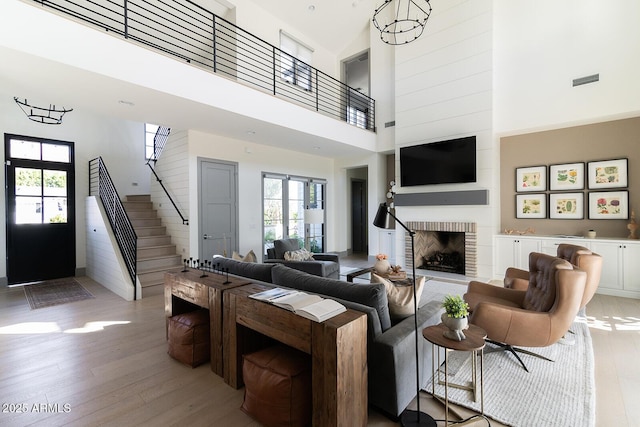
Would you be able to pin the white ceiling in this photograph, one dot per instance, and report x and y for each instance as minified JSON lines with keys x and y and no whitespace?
{"x":332,"y":21}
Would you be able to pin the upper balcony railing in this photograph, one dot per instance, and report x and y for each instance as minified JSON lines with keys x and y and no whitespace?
{"x":192,"y":34}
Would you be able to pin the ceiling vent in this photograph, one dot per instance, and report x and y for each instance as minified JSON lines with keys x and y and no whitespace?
{"x":389,"y":124}
{"x":586,"y":80}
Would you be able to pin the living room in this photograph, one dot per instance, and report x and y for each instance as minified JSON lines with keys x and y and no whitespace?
{"x":470,"y":74}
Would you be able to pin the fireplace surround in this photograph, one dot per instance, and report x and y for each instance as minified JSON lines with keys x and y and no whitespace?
{"x":423,"y":242}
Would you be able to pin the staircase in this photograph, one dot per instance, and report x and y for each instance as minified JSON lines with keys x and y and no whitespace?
{"x":155,"y":253}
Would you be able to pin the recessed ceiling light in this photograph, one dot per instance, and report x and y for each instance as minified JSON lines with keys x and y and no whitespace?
{"x":316,"y":148}
{"x":311,"y":8}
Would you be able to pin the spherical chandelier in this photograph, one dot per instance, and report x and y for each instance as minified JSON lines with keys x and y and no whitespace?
{"x":401,"y":21}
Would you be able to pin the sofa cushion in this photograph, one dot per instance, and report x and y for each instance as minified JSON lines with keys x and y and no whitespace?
{"x":400,"y":297}
{"x":251,"y":270}
{"x":285,"y":245}
{"x":370,"y":295}
{"x":298,"y":255}
{"x":249,"y":257}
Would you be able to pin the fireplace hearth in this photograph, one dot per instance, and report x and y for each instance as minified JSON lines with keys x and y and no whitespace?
{"x":450,"y":247}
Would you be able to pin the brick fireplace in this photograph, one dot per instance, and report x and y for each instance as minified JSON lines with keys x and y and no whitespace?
{"x":449,"y":243}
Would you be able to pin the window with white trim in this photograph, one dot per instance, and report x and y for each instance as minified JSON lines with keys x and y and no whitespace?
{"x":294,"y":62}
{"x":285,"y":200}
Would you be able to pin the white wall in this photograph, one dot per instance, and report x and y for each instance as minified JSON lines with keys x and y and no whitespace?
{"x":120,"y":143}
{"x":540,"y":47}
{"x":253,"y":159}
{"x":104,"y":262}
{"x":172,"y":169}
{"x":251,"y":16}
{"x":443,"y":89}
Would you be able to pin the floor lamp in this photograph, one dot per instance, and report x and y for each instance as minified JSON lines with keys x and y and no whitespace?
{"x":408,"y":417}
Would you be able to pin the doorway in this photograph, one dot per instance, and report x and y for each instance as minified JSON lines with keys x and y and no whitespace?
{"x":40,"y":209}
{"x":218,"y":208}
{"x":356,"y":75}
{"x":359,"y":216}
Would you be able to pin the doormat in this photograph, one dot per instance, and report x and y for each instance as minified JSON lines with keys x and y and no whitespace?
{"x":55,"y":292}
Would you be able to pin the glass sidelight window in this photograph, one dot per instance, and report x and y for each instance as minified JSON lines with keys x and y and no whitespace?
{"x":285,"y":199}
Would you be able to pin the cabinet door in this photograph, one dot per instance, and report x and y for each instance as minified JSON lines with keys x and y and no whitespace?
{"x":611,"y":254}
{"x":631,"y":267}
{"x":526,"y":246}
{"x":504,"y":254}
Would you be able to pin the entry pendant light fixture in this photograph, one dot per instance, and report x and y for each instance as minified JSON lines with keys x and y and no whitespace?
{"x":401,"y":21}
{"x":45,"y":115}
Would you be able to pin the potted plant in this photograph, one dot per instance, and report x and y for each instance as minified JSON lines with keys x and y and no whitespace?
{"x":455,"y":316}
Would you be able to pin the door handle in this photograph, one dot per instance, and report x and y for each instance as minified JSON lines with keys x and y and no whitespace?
{"x":207,"y":236}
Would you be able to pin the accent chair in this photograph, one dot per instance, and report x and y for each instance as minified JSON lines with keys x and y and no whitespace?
{"x":536,"y":317}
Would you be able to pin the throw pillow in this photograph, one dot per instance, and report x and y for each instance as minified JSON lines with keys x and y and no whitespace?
{"x":299,"y":255}
{"x":249,"y":257}
{"x":400,"y":297}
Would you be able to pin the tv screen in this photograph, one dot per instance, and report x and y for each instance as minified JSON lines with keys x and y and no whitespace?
{"x":444,"y":162}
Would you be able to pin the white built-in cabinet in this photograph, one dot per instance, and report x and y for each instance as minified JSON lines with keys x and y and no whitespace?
{"x":513,"y":252}
{"x":387,"y":244}
{"x":621,"y":258}
{"x":621,"y":269}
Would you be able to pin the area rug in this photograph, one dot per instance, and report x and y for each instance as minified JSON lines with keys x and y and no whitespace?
{"x":559,"y":393}
{"x":55,"y":292}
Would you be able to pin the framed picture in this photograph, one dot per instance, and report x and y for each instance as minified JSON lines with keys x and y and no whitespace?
{"x":609,"y":205}
{"x":568,"y":176}
{"x":532,"y":178}
{"x":566,"y":206}
{"x":608,"y":174}
{"x":531,"y":206}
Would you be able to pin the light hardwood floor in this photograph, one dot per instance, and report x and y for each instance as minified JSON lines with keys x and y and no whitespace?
{"x":104,"y":362}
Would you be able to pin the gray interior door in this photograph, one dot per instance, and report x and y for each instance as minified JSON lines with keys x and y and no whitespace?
{"x":218,"y":219}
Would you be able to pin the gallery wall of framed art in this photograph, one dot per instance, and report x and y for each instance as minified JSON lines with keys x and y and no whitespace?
{"x":571,"y":180}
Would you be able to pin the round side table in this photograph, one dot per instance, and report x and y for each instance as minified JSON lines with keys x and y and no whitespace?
{"x":473,"y":343}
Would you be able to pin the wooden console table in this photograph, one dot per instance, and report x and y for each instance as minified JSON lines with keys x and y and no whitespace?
{"x":338,"y":349}
{"x":183,"y":290}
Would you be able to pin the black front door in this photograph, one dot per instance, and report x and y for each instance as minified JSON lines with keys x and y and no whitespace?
{"x":40,"y":207}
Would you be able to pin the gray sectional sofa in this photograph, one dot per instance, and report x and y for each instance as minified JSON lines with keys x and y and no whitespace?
{"x":390,"y":347}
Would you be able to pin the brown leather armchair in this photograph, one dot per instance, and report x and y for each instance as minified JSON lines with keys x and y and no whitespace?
{"x":579,"y":256}
{"x":537,"y":317}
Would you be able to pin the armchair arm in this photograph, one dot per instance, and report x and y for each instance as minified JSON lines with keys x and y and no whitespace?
{"x":326,"y":257}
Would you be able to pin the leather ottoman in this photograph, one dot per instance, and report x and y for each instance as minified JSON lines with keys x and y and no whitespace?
{"x":278,"y":386}
{"x":189,"y":337}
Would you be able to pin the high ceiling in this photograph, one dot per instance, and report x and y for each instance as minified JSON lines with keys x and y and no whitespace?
{"x":329,"y":22}
{"x":22,"y":75}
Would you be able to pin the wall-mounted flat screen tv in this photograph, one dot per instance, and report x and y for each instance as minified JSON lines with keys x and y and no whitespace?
{"x":443,"y":162}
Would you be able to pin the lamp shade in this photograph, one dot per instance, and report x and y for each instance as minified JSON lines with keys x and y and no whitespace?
{"x":382,"y":217}
{"x":314,"y":216}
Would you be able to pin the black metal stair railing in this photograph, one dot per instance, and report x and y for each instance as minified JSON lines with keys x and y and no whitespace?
{"x":159,"y":142}
{"x":192,"y":34}
{"x":100,"y":184}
